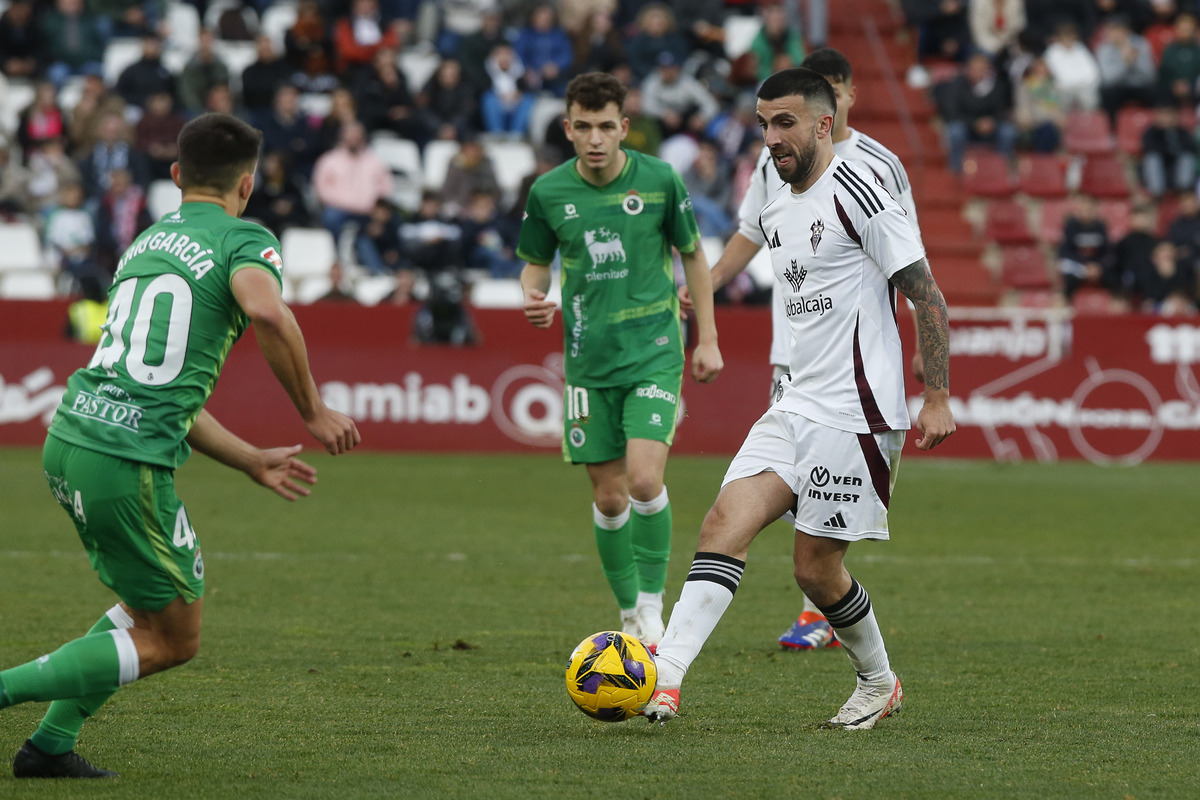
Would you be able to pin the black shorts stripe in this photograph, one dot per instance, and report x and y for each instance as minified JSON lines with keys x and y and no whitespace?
{"x":887,"y":157}
{"x":867,"y":188}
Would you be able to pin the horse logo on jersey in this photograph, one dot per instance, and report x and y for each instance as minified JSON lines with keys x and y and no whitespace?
{"x":796,"y":276}
{"x":603,"y":246}
{"x":817,"y":229}
{"x":633,"y":203}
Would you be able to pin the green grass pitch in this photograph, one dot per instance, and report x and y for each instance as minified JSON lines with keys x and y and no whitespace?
{"x":404,"y":631}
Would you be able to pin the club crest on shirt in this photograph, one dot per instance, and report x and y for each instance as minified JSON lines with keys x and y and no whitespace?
{"x":633,"y":203}
{"x":817,"y":229}
{"x":796,"y":275}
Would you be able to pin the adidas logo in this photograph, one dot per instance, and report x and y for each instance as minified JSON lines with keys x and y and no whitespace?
{"x":836,"y":521}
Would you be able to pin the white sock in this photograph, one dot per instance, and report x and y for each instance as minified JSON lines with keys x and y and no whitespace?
{"x":610,"y":523}
{"x":651,"y":600}
{"x":129,"y":664}
{"x":809,"y":605}
{"x":708,"y":591}
{"x":649,"y":507}
{"x":118,"y":616}
{"x":853,"y":620}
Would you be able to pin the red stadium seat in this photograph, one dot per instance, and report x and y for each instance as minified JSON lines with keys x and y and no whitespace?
{"x":1051,"y":217}
{"x":985,"y":173}
{"x":1024,"y":267}
{"x":1104,"y":176}
{"x":1095,"y":302}
{"x":1088,"y":132}
{"x":965,"y":281}
{"x":1131,"y":124}
{"x":1006,"y":222}
{"x":1116,"y":214}
{"x":1042,"y":176}
{"x":1168,"y":210}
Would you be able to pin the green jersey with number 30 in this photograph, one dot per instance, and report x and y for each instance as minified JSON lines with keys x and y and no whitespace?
{"x":172,"y":319}
{"x":620,"y":310}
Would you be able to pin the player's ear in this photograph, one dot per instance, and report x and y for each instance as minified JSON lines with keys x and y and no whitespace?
{"x":624,"y":127}
{"x":175,"y":174}
{"x":824,"y":125}
{"x":851,"y":94}
{"x":246,"y":186}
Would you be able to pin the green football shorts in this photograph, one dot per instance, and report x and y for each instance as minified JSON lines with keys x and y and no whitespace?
{"x":597,"y":423}
{"x":134,"y":527}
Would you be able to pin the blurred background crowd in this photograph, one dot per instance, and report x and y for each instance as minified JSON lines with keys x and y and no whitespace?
{"x":401,"y":136}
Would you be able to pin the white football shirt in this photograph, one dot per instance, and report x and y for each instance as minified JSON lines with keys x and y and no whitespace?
{"x":858,"y":148}
{"x":833,"y":249}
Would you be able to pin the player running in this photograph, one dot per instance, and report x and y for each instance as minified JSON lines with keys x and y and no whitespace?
{"x":613,"y":215}
{"x":183,"y":293}
{"x":829,"y":447}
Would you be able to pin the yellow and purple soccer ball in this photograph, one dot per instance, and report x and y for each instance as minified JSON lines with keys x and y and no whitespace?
{"x":611,"y":676}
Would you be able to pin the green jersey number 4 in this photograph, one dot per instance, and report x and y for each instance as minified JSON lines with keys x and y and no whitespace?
{"x":173,"y":313}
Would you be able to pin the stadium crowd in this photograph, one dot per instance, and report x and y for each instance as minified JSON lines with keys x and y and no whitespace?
{"x":411,"y":130}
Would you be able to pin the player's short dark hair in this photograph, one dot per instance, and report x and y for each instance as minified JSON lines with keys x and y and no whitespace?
{"x":829,"y":63}
{"x":215,"y":150}
{"x":595,"y":90}
{"x":812,"y":86}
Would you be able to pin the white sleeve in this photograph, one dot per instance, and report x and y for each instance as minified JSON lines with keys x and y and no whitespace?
{"x":909,"y":205}
{"x":754,"y":201}
{"x":888,"y":238}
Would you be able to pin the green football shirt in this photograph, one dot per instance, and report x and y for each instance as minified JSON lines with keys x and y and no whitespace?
{"x":620,"y":310}
{"x":172,"y":319}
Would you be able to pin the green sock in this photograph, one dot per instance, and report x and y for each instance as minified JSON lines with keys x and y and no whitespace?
{"x":652,"y":543}
{"x":60,"y":728}
{"x":82,"y":667}
{"x":616,"y":555}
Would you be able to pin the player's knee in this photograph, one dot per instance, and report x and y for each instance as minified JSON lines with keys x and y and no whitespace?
{"x":181,"y":650}
{"x":610,"y":502}
{"x":816,"y":581}
{"x":645,"y":488}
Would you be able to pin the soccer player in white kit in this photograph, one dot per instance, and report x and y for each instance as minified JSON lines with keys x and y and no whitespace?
{"x":828,"y":448}
{"x":810,"y":630}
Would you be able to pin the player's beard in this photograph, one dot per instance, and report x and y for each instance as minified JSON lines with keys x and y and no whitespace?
{"x":802,"y":163}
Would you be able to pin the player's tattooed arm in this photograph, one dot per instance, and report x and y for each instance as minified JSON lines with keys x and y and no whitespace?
{"x":933,"y":325}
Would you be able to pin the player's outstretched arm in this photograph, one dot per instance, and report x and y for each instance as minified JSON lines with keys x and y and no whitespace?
{"x":282,"y":344}
{"x":736,"y":257}
{"x":276,"y":468}
{"x":535,"y":284}
{"x":935,"y":422}
{"x":706,"y":358}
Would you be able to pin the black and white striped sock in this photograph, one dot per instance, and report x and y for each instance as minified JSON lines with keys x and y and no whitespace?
{"x":707,"y":592}
{"x":853,"y":620}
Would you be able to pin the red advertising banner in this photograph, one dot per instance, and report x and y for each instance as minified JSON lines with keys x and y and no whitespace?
{"x":1025,"y":385}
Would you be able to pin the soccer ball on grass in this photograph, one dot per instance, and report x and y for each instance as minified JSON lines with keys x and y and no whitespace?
{"x":611,"y":676}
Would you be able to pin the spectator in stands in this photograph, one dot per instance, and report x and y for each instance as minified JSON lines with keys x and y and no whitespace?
{"x":1169,"y":287}
{"x":470,"y":171}
{"x":42,"y":119}
{"x":459,"y":20}
{"x":357,"y":36}
{"x":1184,"y":231}
{"x":1042,"y":19}
{"x":95,"y":102}
{"x":1038,"y":111}
{"x":432,"y":243}
{"x":220,"y":101}
{"x":71,"y":234}
{"x":349,"y":180}
{"x":157,"y":134}
{"x":338,"y":286}
{"x":597,"y":44}
{"x":489,"y":237}
{"x":645,"y":131}
{"x":20,"y":41}
{"x":1127,"y":72}
{"x":113,"y":150}
{"x":995,"y":24}
{"x":474,"y":49}
{"x":1138,"y":14}
{"x":655,"y":35}
{"x":122,"y":215}
{"x":278,"y":201}
{"x":942,"y":30}
{"x":378,"y":244}
{"x":705,"y":23}
{"x":446,"y":105}
{"x":1083,"y":254}
{"x":308,"y":47}
{"x":343,"y":110}
{"x":1180,"y":65}
{"x":1133,"y":254}
{"x":708,"y":184}
{"x":1075,"y":71}
{"x":264,"y":76}
{"x":507,"y":104}
{"x":33,"y":188}
{"x":72,"y":41}
{"x":680,"y":101}
{"x":777,"y":45}
{"x":382,"y":94}
{"x":1168,"y":154}
{"x":976,"y":108}
{"x":14,"y":179}
{"x":545,"y":159}
{"x":287,"y":130}
{"x":203,"y":71}
{"x":1161,"y":30}
{"x":545,"y":49}
{"x":127,"y":18}
{"x":146,"y":76}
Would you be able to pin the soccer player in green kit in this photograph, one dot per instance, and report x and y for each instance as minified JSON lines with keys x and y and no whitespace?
{"x":614,"y":215}
{"x":183,"y":293}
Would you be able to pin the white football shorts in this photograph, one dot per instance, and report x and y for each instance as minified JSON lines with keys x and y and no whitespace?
{"x":843,"y":481}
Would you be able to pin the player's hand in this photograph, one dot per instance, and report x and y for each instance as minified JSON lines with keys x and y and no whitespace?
{"x":538,"y":310}
{"x":280,"y":470}
{"x":918,"y":367}
{"x":934,"y":423}
{"x":335,"y":430}
{"x":706,"y":363}
{"x":685,"y":301}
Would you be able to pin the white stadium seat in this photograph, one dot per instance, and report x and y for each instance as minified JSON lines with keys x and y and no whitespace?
{"x":739,"y":34}
{"x":236,"y":56}
{"x":12,"y":103}
{"x":545,"y":111}
{"x":20,"y":248}
{"x":497,"y":293}
{"x":371,"y":289}
{"x":27,"y":285}
{"x":513,"y":161}
{"x":276,"y":20}
{"x":438,"y":155}
{"x":183,"y":26}
{"x":307,"y":253}
{"x":313,"y":289}
{"x":418,"y":67}
{"x":120,"y":54}
{"x":404,"y":159}
{"x":163,"y":198}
